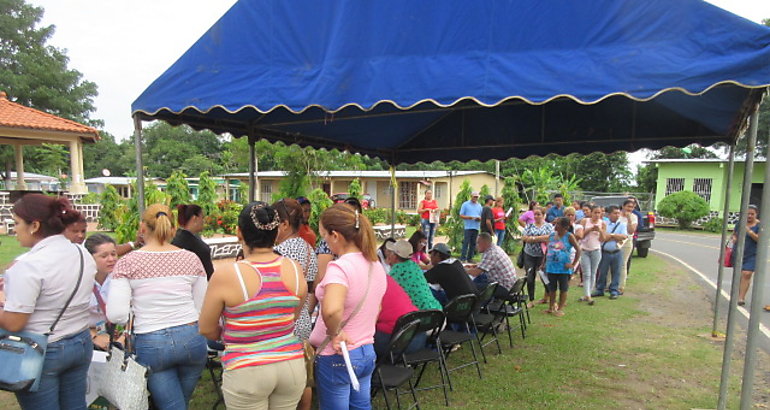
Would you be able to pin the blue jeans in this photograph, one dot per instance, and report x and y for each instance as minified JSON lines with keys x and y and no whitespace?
{"x":469,"y":244}
{"x":429,"y":229}
{"x":176,"y":357}
{"x":610,"y":262}
{"x":333,"y":383}
{"x":63,"y":381}
{"x":500,"y":233}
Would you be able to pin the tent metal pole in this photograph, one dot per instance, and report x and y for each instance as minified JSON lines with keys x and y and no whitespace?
{"x":252,"y":170}
{"x":393,"y":202}
{"x":725,"y":214}
{"x":757,"y":293}
{"x":139,"y":164}
{"x":738,"y":263}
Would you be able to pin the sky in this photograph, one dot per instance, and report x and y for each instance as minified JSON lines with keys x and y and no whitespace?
{"x":123,"y":46}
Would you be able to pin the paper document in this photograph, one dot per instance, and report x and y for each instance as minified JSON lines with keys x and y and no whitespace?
{"x":508,"y":213}
{"x":351,"y":373}
{"x":543,"y":276}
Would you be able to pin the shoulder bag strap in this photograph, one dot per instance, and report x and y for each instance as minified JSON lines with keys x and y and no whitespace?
{"x":72,"y":295}
{"x":355,"y":311}
{"x":617,"y":223}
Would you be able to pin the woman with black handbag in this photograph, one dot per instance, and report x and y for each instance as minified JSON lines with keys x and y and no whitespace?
{"x":48,"y":290}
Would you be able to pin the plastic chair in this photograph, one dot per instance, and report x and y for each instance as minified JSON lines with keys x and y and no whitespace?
{"x":214,"y":366}
{"x":513,"y":305}
{"x":390,"y":376}
{"x":431,"y":322}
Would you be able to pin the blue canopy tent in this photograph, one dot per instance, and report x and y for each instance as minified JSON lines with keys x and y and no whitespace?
{"x":428,"y":80}
{"x":446,"y":80}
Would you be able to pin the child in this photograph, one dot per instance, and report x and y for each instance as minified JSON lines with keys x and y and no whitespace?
{"x":559,"y":265}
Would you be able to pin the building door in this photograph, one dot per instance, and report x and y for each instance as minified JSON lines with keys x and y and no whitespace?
{"x":327,"y":187}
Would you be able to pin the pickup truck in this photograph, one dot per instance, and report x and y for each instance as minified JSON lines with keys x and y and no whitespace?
{"x":645,"y":232}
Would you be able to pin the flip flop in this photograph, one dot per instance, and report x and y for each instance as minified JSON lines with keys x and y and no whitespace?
{"x":591,"y":302}
{"x":559,"y":313}
{"x":542,"y":302}
{"x":741,"y":303}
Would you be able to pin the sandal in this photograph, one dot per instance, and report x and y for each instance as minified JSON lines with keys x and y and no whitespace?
{"x":530,"y":305}
{"x":548,"y":311}
{"x":559,"y":313}
{"x":591,"y":302}
{"x":741,"y":303}
{"x":542,"y":302}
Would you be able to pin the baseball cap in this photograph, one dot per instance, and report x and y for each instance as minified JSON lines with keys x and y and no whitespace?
{"x":475,"y":193}
{"x":489,"y":198}
{"x":401,"y":248}
{"x":442,"y":248}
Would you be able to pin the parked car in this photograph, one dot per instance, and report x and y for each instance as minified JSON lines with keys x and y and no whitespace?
{"x":645,"y":232}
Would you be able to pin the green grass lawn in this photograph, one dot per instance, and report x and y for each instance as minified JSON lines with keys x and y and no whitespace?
{"x":9,"y":249}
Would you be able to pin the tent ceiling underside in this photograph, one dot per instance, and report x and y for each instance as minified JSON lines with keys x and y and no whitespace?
{"x":467,"y":130}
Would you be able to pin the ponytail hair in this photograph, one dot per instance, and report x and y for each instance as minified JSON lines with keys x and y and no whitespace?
{"x":354,"y":226}
{"x":185,"y":212}
{"x":157,"y":218}
{"x":289,"y":210}
{"x":50,"y":212}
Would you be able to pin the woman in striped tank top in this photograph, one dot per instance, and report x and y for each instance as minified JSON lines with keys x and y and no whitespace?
{"x":258,"y":299}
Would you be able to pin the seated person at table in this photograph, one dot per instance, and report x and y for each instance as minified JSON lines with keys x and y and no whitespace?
{"x":395,"y":303}
{"x":410,"y":276}
{"x":495,"y":266}
{"x":449,"y":273}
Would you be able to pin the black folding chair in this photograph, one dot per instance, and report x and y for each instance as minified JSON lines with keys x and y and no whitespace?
{"x":431,"y":322}
{"x":214,"y":366}
{"x":484,"y":321}
{"x":458,"y":312}
{"x":389,"y":375}
{"x":513,"y":305}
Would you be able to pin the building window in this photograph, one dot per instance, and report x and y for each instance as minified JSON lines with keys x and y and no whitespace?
{"x":266,"y":192}
{"x":702,"y":187}
{"x":437,"y":194}
{"x":674,"y":185}
{"x":407,"y":195}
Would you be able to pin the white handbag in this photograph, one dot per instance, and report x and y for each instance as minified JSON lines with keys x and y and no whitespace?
{"x":124,"y":380}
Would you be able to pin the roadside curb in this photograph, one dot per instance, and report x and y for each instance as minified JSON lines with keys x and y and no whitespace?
{"x":742,"y":310}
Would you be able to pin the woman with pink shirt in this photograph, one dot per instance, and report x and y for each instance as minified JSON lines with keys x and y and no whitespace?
{"x":590,"y":232}
{"x":419,"y":242}
{"x":350,"y":295}
{"x":529,"y":217}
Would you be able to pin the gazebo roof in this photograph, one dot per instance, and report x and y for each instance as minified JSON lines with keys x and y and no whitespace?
{"x":17,"y":116}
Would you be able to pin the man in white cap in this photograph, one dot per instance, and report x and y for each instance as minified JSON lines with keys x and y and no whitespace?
{"x":470,"y":212}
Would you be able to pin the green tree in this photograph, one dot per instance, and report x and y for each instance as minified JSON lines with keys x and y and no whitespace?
{"x":128,"y":214}
{"x":111,"y":202}
{"x":207,"y":194}
{"x":48,"y":159}
{"x":354,"y":189}
{"x":104,"y":154}
{"x":36,"y":74}
{"x":319,"y":201}
{"x":178,"y":189}
{"x":685,"y":206}
{"x":483,"y":192}
{"x":170,"y":148}
{"x":455,"y":225}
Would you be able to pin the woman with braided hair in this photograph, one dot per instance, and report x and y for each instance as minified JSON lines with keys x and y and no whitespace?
{"x":259,"y":298}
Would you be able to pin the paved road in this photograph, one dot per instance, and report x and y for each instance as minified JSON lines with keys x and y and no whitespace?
{"x":700,"y":252}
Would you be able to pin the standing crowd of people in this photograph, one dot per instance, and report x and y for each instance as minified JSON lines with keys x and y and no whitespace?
{"x":261,"y":308}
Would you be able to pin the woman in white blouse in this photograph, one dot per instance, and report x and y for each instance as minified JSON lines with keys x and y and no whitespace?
{"x":37,"y":287}
{"x":163,"y":286}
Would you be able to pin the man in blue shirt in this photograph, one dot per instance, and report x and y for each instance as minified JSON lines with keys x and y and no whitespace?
{"x":557,"y":210}
{"x":612,"y":257}
{"x":470,"y":213}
